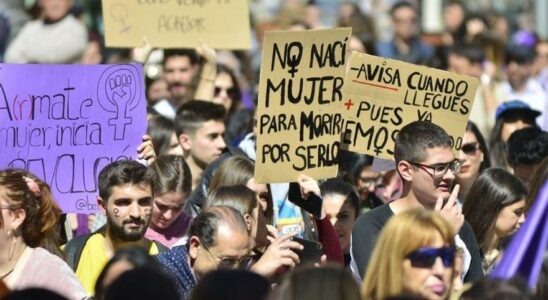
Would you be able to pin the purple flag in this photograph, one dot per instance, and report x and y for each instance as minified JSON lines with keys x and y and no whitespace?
{"x":64,"y":123}
{"x":525,"y":254}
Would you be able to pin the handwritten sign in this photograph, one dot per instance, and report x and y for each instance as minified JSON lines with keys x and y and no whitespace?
{"x":299,"y":93}
{"x":221,"y":24}
{"x":382,"y":95}
{"x":64,"y":123}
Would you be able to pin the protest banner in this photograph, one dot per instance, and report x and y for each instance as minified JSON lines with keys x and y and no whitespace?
{"x":220,"y":24}
{"x":300,"y":92}
{"x":64,"y":123}
{"x":382,"y":95}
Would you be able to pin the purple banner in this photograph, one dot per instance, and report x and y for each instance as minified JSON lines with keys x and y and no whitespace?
{"x":64,"y":123}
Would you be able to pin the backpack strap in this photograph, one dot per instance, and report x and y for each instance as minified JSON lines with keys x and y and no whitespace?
{"x":73,"y":249}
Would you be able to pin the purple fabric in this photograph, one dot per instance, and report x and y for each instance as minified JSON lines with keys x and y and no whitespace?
{"x":525,"y":253}
{"x":82,"y":228}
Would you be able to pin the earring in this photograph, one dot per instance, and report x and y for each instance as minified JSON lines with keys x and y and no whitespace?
{"x":11,"y":251}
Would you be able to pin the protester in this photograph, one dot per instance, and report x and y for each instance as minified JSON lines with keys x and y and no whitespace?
{"x":123,"y":260}
{"x":172,"y":183}
{"x":34,"y":43}
{"x":527,"y":147}
{"x":142,"y":284}
{"x":217,"y":238}
{"x":319,"y":283}
{"x":406,"y":44}
{"x":125,"y":196}
{"x":511,"y":116}
{"x":280,"y":251}
{"x":164,"y":139}
{"x":231,"y":284}
{"x":367,"y":182}
{"x":475,"y":159}
{"x":26,"y":219}
{"x":495,"y":289}
{"x":199,"y":127}
{"x":521,"y":83}
{"x":341,"y":205}
{"x":471,"y":61}
{"x":495,"y":208}
{"x":180,"y":67}
{"x":538,"y":179}
{"x":414,"y":255}
{"x":237,"y":170}
{"x":427,"y":166}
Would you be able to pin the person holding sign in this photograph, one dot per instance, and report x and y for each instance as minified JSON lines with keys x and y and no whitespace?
{"x":57,"y":38}
{"x":427,"y":166}
{"x":27,"y":224}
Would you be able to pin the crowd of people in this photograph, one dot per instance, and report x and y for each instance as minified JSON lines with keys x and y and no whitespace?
{"x":194,"y":224}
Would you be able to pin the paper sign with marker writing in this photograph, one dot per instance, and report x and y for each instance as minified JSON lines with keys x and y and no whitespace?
{"x":220,"y":24}
{"x":300,"y":92}
{"x":69,"y":122}
{"x":383,"y":95}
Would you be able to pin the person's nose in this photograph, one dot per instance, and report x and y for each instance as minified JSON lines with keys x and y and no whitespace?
{"x":521,"y":219}
{"x":134,"y":211}
{"x":168,"y":214}
{"x":221,"y":142}
{"x":438,"y":268}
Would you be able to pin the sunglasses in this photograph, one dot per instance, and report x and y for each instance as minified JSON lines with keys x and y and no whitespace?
{"x":470,"y":148}
{"x":232,"y":92}
{"x":426,"y":257}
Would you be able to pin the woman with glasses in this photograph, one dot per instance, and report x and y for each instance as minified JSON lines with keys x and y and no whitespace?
{"x":28,"y":227}
{"x":475,"y":158}
{"x":414,"y":255}
{"x":495,"y":208}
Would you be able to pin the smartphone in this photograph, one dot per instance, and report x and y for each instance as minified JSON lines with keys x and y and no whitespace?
{"x":312,"y":205}
{"x":312,"y":251}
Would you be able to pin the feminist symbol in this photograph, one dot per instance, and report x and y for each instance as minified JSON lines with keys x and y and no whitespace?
{"x":119,"y":13}
{"x":118,"y":93}
{"x":294,"y":60}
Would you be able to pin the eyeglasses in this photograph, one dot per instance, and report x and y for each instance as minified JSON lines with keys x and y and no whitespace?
{"x":426,"y":257}
{"x":232,"y":92}
{"x":470,"y":149}
{"x":441,"y":169}
{"x":231,"y":262}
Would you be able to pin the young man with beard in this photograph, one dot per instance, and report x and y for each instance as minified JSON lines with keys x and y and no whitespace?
{"x":427,"y":166}
{"x":125,"y":196}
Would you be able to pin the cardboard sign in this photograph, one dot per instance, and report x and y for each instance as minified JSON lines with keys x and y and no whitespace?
{"x":64,"y":123}
{"x":382,"y":95}
{"x":221,"y":24}
{"x":300,"y":92}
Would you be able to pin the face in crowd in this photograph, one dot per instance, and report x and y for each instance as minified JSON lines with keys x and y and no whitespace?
{"x":178,"y":74}
{"x":207,"y":143}
{"x":167,"y":207}
{"x":471,"y":156}
{"x":225,"y":91}
{"x":55,"y":9}
{"x":510,"y":218}
{"x":230,"y":251}
{"x":342,"y":215}
{"x":405,"y":23}
{"x":433,"y":176}
{"x":128,"y":211}
{"x":428,"y":271}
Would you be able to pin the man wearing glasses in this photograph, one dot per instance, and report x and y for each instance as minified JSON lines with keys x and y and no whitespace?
{"x":427,"y":167}
{"x":217,"y":238}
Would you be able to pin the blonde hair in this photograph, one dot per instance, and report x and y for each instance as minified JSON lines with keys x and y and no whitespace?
{"x":403,"y":234}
